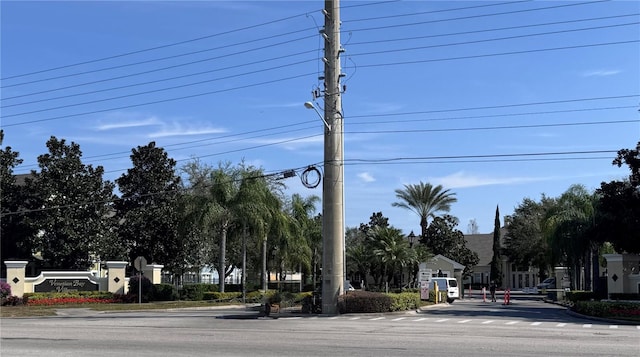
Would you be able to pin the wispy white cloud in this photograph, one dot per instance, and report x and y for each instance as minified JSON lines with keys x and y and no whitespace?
{"x":132,"y":123}
{"x":177,"y":129}
{"x":366,"y":177}
{"x":463,"y":180}
{"x":601,"y":73}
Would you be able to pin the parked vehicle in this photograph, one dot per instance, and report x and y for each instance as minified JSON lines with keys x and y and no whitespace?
{"x":450,"y":285}
{"x":548,"y":283}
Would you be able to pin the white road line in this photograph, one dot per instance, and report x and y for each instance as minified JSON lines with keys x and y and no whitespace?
{"x":354,"y":318}
{"x":463,"y":321}
{"x":511,"y":322}
{"x":613,"y":326}
{"x":377,"y":318}
{"x":586,"y":325}
{"x":442,"y":320}
{"x":536,"y":323}
{"x":638,"y":327}
{"x":399,"y":319}
{"x":488,"y":322}
{"x":334,"y":317}
{"x":561,"y":325}
{"x":425,"y":318}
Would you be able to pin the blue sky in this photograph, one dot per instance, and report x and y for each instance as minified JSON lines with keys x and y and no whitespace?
{"x":471,"y":95}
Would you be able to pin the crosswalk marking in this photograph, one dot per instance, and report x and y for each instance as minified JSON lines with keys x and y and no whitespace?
{"x":586,"y":325}
{"x":420,"y":319}
{"x":334,"y":317}
{"x":442,"y":320}
{"x":488,"y":322}
{"x":613,"y":326}
{"x":354,"y":318}
{"x":561,"y":325}
{"x":377,"y":318}
{"x":399,"y":319}
{"x":463,"y":321}
{"x":511,"y":323}
{"x":536,"y":323}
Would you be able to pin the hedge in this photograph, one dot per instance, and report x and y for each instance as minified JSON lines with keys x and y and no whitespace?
{"x":606,"y":309}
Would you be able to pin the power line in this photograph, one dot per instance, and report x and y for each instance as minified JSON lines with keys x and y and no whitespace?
{"x":300,"y":53}
{"x":210,"y":36}
{"x":307,"y":74}
{"x":493,"y":39}
{"x":477,"y":16}
{"x":240,"y":52}
{"x":161,"y":89}
{"x":262,"y":130}
{"x":484,"y":156}
{"x":161,"y":100}
{"x":494,"y":29}
{"x":157,"y":47}
{"x":478,"y":116}
{"x":502,"y":127}
{"x":498,"y":54}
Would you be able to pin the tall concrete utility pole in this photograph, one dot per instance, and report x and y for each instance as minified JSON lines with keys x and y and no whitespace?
{"x":333,"y":184}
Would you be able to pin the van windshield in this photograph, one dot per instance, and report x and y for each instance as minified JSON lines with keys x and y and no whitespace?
{"x":453,"y":283}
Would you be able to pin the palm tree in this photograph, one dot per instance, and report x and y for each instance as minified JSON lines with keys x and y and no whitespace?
{"x":305,"y":229}
{"x":425,"y":200}
{"x":567,"y":226}
{"x":392,"y":250}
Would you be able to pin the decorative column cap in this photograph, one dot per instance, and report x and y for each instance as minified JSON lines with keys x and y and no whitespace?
{"x":116,"y":264}
{"x":12,"y":264}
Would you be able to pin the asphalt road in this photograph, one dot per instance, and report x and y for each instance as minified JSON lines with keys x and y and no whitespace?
{"x":465,"y":328}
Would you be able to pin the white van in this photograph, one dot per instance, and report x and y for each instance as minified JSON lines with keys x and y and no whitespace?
{"x":450,"y":285}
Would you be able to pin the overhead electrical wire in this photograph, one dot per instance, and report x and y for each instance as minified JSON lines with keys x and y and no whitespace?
{"x":450,"y":158}
{"x":240,"y":52}
{"x":225,"y":33}
{"x":308,"y":74}
{"x":285,"y":65}
{"x":239,"y":136}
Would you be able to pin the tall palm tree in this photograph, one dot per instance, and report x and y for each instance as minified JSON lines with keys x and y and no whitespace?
{"x":425,"y":200}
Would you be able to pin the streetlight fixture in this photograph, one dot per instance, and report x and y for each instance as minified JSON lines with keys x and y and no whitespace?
{"x":309,"y":105}
{"x":412,"y":239}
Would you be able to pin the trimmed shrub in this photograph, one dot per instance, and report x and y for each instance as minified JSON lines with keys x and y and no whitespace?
{"x":622,"y":310}
{"x":69,"y":297}
{"x":404,"y":301}
{"x":364,"y":301}
{"x":575,"y":296}
{"x":442,"y":296}
{"x":624,"y":296}
{"x":194,"y":292}
{"x":218,"y":296}
{"x":165,"y":292}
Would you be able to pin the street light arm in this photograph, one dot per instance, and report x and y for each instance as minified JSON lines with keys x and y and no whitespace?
{"x":310,"y":105}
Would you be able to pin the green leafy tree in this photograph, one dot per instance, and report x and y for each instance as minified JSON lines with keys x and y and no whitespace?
{"x":618,"y":206}
{"x":74,"y":205}
{"x":496,"y":260}
{"x":16,"y":234}
{"x":148,"y":210}
{"x":525,"y":243}
{"x":442,"y":237}
{"x":424,"y":200}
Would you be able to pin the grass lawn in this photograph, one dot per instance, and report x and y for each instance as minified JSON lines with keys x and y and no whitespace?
{"x":31,"y":311}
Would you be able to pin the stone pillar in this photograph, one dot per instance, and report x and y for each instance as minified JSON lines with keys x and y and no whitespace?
{"x":16,"y":276}
{"x":153,"y":272}
{"x":116,"y":278}
{"x":619,"y":267}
